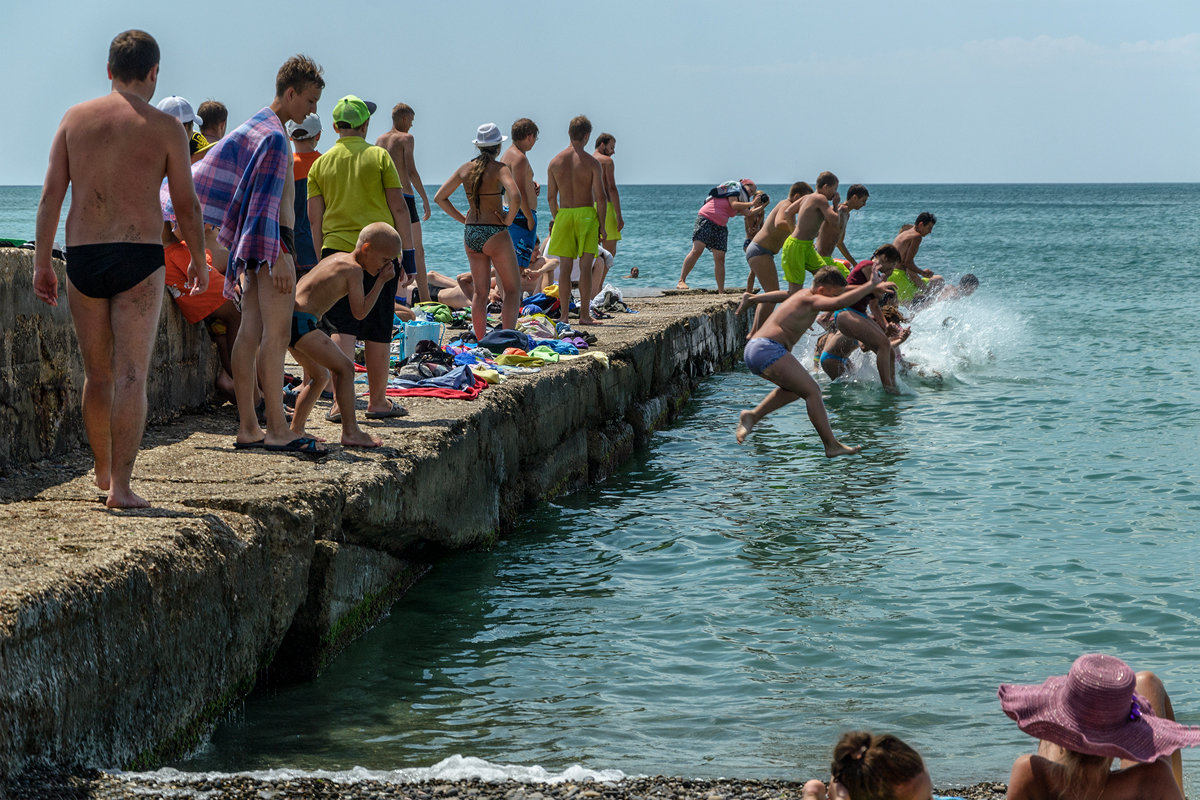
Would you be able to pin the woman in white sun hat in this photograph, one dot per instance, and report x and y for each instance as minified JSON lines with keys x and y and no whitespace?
{"x":485,"y":237}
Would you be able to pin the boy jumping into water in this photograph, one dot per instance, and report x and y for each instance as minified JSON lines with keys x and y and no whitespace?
{"x":337,"y":276}
{"x":770,"y":353}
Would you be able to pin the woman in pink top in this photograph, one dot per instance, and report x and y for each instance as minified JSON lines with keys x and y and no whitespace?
{"x":711,"y":231}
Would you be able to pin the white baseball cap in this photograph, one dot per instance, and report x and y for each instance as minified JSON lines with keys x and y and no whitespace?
{"x":307,"y":129}
{"x":180,"y":109}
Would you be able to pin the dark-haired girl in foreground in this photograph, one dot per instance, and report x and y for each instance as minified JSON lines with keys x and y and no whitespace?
{"x":870,"y":767}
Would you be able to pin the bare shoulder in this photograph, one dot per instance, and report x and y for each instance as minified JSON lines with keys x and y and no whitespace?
{"x":514,"y":157}
{"x":1022,"y":780}
{"x":1153,"y":781}
{"x":391,"y":140}
{"x":343,"y":265}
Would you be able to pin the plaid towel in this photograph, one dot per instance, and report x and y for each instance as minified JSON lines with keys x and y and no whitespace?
{"x":240,"y":184}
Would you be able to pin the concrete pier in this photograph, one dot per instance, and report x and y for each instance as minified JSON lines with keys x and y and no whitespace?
{"x":124,"y":635}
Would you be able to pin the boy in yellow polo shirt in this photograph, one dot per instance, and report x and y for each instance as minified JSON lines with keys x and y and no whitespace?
{"x":352,"y":185}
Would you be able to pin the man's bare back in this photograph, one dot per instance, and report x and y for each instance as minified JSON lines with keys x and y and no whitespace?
{"x":399,"y":145}
{"x":118,"y":147}
{"x":522,"y":172}
{"x":576,"y":175}
{"x":907,"y":242}
{"x":777,"y":226}
{"x":831,"y":233}
{"x":813,"y":211}
{"x":112,"y":153}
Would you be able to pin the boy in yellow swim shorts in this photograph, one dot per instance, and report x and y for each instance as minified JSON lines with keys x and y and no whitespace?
{"x":576,"y":231}
{"x":799,"y":254}
{"x":575,"y":194}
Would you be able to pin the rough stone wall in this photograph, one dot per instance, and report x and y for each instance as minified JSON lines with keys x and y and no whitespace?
{"x":41,"y":372}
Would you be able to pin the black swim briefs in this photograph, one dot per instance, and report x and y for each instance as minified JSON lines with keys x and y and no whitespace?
{"x":413,"y":216}
{"x":105,"y":270}
{"x":376,"y":326}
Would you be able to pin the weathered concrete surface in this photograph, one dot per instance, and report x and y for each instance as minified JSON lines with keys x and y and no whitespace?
{"x":41,"y":373}
{"x":123,"y":633}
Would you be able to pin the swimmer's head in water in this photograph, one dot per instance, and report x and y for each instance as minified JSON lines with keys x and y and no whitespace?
{"x":633,"y":272}
{"x":968,"y":283}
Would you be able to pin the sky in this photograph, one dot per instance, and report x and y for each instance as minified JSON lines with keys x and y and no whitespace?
{"x":879,"y":91}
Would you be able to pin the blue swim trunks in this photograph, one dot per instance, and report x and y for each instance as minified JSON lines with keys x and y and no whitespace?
{"x":302,"y":325}
{"x":524,"y":240}
{"x":761,"y":353}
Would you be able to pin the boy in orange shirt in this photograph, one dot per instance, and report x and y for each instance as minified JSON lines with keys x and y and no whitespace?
{"x":220,"y":315}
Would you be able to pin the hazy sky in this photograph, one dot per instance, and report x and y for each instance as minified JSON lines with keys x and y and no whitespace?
{"x":696,"y":92}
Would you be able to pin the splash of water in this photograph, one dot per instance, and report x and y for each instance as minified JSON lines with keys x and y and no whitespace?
{"x":951,"y":341}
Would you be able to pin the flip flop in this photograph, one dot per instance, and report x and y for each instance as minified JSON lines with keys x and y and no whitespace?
{"x":255,"y":445}
{"x":336,"y":419}
{"x":393,"y":411}
{"x":302,"y":446}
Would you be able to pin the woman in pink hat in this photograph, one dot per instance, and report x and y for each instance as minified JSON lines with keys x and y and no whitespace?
{"x":1099,"y":711}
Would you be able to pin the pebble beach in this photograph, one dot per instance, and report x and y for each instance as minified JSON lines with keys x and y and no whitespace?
{"x":111,"y":786}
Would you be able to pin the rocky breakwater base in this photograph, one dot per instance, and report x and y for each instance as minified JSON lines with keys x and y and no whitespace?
{"x":125,"y":634}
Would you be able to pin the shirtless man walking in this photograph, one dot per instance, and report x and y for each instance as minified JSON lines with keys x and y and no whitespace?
{"x":524,"y":227}
{"x":799,"y":254}
{"x":831,"y":236}
{"x":113,"y":152}
{"x":578,"y":208}
{"x":399,"y":143}
{"x":760,"y":253}
{"x":614,"y":223}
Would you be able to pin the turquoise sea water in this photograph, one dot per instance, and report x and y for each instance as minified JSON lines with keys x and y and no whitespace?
{"x":723,"y":610}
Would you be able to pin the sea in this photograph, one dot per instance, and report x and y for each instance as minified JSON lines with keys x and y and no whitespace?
{"x":716,"y":610}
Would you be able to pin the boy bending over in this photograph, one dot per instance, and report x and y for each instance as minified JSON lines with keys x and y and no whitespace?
{"x":770,"y":353}
{"x":340,"y":275}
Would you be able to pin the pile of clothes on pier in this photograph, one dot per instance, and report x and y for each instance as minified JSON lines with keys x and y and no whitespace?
{"x":463,"y":367}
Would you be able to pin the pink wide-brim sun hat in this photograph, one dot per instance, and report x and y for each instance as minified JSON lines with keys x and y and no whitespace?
{"x":1093,"y":709}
